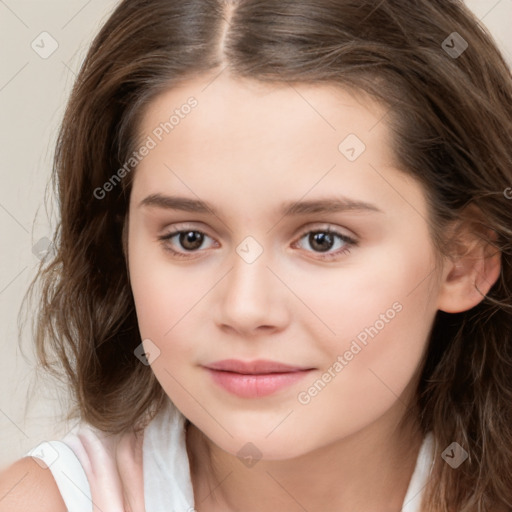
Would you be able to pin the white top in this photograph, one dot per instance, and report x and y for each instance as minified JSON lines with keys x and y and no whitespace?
{"x":84,"y":468}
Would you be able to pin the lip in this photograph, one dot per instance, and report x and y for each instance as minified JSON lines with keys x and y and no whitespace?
{"x":258,"y":366}
{"x":254,"y":379}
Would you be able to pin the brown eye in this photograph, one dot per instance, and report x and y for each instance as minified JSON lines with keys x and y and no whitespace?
{"x":185,"y":243}
{"x":321,"y":241}
{"x":191,"y":240}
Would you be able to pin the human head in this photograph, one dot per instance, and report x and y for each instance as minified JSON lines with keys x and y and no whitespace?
{"x":451,"y":122}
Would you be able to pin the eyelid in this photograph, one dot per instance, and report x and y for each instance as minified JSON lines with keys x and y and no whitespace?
{"x":349,"y":240}
{"x":180,"y":227}
{"x":177,"y":229}
{"x":327,"y":227}
{"x":318,"y":226}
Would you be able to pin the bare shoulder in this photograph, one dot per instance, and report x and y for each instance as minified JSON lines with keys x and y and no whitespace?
{"x":26,"y":486}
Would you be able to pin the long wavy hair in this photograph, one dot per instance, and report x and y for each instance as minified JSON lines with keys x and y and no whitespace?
{"x":451,"y":119}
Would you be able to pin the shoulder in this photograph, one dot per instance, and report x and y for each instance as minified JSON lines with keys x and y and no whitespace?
{"x":27,"y":486}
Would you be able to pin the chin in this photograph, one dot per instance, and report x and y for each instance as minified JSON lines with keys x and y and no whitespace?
{"x":250,"y":447}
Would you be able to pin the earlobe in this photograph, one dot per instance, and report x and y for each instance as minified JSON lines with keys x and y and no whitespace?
{"x":469,"y":277}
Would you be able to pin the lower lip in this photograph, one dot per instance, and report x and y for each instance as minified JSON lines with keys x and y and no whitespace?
{"x":254,"y":386}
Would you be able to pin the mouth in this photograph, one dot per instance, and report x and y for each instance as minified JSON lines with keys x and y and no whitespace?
{"x":255,"y":379}
{"x":256,"y":367}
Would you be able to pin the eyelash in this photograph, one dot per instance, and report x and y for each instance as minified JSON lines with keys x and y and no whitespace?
{"x":349,"y":242}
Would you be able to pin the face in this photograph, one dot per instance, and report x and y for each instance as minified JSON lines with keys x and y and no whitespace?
{"x":346,"y":294}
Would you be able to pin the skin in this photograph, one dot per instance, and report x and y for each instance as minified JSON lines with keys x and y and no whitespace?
{"x":246,"y":148}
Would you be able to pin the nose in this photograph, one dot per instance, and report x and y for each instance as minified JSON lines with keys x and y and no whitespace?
{"x":251,"y":299}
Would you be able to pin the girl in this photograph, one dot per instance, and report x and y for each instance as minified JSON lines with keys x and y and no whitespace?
{"x":284,"y":263}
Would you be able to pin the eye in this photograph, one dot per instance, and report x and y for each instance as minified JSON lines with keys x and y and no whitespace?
{"x":320,"y":240}
{"x":323,"y":240}
{"x":190,"y":241}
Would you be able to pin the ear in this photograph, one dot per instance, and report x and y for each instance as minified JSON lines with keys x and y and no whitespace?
{"x":472,"y":268}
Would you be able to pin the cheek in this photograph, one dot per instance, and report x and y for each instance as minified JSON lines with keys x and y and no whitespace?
{"x":385,"y":290}
{"x":160,"y":302}
{"x":382,"y":319}
{"x":163,"y":298}
{"x":159,"y":288}
{"x":168,"y":297}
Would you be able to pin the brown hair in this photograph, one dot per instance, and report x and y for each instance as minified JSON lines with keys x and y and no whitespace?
{"x":451,"y":116}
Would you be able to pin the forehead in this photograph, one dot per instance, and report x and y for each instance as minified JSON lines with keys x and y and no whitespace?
{"x":249,"y":115}
{"x":248,"y":143}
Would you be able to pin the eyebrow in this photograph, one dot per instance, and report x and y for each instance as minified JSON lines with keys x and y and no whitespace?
{"x":290,"y":208}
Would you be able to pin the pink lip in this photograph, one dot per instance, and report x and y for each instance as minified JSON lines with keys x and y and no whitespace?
{"x":253,"y":367}
{"x":255,"y":378}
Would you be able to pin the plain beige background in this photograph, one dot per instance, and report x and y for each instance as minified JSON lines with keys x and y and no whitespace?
{"x":34,"y":85}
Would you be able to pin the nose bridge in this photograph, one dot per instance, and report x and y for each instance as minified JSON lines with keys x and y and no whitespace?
{"x":249,"y":275}
{"x":250,"y":294}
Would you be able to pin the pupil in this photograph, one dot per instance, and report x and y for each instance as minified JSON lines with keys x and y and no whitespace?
{"x":192,"y":237}
{"x":319,"y":239}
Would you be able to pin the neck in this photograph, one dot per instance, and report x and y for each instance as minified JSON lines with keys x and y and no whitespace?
{"x":369,"y":470}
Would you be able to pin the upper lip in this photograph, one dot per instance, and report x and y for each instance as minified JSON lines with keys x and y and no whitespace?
{"x":254,"y":367}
